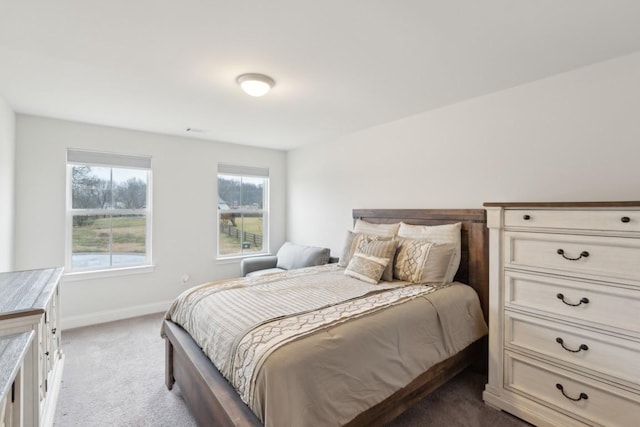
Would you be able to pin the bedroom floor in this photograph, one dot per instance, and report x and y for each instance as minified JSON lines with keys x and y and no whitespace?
{"x":114,"y":376}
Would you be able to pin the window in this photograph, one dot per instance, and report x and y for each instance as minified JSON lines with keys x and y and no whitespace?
{"x":108,"y":211}
{"x":243,"y":208}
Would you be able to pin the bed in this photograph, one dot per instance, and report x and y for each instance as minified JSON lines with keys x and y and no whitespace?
{"x":213,"y":401}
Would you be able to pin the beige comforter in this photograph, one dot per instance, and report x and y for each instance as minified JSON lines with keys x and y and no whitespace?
{"x":351,"y":344}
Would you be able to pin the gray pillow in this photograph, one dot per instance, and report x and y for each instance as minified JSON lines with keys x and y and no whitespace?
{"x":292,"y":256}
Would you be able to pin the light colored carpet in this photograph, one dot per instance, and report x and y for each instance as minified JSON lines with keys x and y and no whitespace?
{"x":114,"y":376}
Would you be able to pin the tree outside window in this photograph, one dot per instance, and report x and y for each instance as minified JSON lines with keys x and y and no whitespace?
{"x":109,"y":215}
{"x":242,"y":211}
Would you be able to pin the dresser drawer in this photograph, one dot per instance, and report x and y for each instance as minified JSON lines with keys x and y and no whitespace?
{"x":600,"y":257}
{"x":587,"y":400}
{"x":607,"y":306}
{"x":609,"y":355}
{"x":591,"y":220}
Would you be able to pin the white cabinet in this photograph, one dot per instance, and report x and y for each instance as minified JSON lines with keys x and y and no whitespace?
{"x":29,"y":301}
{"x":564,"y":312}
{"x":13,"y":349}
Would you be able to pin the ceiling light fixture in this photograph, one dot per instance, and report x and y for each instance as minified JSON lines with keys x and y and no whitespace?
{"x":255,"y":84}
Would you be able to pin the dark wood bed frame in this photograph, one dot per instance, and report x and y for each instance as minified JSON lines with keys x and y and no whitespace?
{"x":213,"y":401}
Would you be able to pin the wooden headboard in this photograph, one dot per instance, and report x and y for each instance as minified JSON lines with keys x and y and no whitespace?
{"x":474,"y":262}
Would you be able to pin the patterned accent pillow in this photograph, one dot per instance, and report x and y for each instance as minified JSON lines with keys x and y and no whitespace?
{"x":382,"y":249}
{"x":411,"y":259}
{"x":354,"y":243}
{"x":447,"y":233}
{"x":367,"y":268}
{"x":419,"y":261}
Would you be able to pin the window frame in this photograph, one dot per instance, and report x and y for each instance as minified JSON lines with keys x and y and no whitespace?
{"x":113,"y":161}
{"x":248,"y":172}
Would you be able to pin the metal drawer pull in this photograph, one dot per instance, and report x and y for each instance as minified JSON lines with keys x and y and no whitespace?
{"x":625,"y":219}
{"x":526,"y":217}
{"x":583,"y":347}
{"x":582,"y":395}
{"x":583,"y":300}
{"x":583,"y":254}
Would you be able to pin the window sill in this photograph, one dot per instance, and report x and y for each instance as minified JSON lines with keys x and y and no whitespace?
{"x":76,"y":276}
{"x":238,"y":258}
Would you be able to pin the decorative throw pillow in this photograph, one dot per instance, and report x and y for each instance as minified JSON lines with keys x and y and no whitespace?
{"x":383,"y":230}
{"x":411,"y":259}
{"x":419,"y":261}
{"x":382,"y":249}
{"x":447,"y":233}
{"x":367,"y":268}
{"x":354,"y":243}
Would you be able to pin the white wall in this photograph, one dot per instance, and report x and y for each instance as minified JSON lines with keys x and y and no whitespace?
{"x":571,"y":137}
{"x":7,"y":159}
{"x":184,"y":212}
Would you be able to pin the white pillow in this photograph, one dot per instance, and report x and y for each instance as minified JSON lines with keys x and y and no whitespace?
{"x":382,"y":230}
{"x":448,"y":233}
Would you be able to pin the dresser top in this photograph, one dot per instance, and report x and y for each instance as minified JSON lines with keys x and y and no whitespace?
{"x":626,"y":204}
{"x":23,"y":293}
{"x":12,"y":351}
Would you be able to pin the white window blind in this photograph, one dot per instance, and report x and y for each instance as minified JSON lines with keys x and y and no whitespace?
{"x":228,"y":169}
{"x":98,"y":158}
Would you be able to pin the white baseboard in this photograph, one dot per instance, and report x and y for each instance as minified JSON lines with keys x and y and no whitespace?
{"x":70,"y":322}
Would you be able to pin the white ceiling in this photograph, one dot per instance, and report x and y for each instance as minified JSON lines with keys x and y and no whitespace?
{"x":339,"y":65}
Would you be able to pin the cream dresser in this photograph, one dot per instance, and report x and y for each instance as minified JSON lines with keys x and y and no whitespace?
{"x":29,"y":301}
{"x":13,"y":349}
{"x":564,"y":312}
